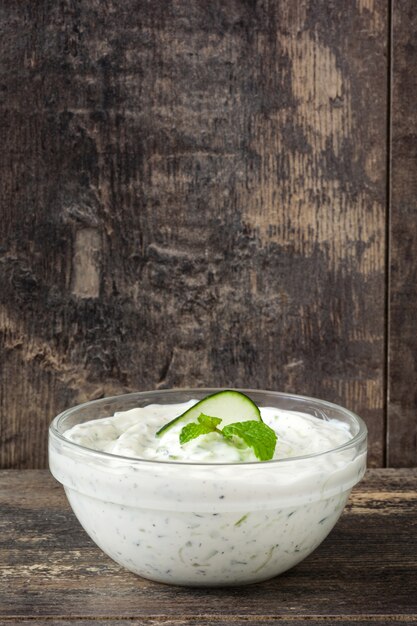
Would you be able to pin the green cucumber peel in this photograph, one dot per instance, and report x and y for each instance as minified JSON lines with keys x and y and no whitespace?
{"x":228,"y":404}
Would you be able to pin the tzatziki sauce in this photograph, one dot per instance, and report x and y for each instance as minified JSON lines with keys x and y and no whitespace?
{"x":132,"y":434}
{"x":206,"y":513}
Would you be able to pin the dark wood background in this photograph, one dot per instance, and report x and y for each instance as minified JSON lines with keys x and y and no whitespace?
{"x":205,"y":193}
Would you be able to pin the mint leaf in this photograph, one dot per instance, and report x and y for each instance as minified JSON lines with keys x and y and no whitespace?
{"x":207,"y":420}
{"x":257,"y":435}
{"x":205,"y":424}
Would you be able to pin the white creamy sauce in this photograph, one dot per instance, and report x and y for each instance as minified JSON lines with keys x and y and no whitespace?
{"x":132,"y":434}
{"x":186,"y":523}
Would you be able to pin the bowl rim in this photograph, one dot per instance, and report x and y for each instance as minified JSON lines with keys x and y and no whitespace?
{"x":358,"y":438}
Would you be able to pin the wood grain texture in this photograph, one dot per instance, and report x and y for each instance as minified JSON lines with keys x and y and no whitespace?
{"x":402,"y":410}
{"x":365,"y":571}
{"x":386,"y":620}
{"x":193,"y":194}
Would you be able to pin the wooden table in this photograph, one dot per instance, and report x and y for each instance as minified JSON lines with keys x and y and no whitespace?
{"x":365,"y":571}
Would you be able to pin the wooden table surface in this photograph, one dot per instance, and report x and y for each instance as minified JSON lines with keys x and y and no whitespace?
{"x":364,"y":572}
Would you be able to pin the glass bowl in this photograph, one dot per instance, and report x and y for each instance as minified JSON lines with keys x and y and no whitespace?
{"x":206,"y":524}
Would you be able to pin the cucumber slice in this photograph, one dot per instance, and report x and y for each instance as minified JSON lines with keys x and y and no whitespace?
{"x":229,"y":405}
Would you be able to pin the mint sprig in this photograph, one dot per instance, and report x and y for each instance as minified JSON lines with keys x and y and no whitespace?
{"x":204,"y":425}
{"x":256,"y":435}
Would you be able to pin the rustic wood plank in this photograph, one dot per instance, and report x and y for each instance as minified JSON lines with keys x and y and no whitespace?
{"x":364,"y":571}
{"x":219,"y":621}
{"x":402,"y":409}
{"x":192,"y":195}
